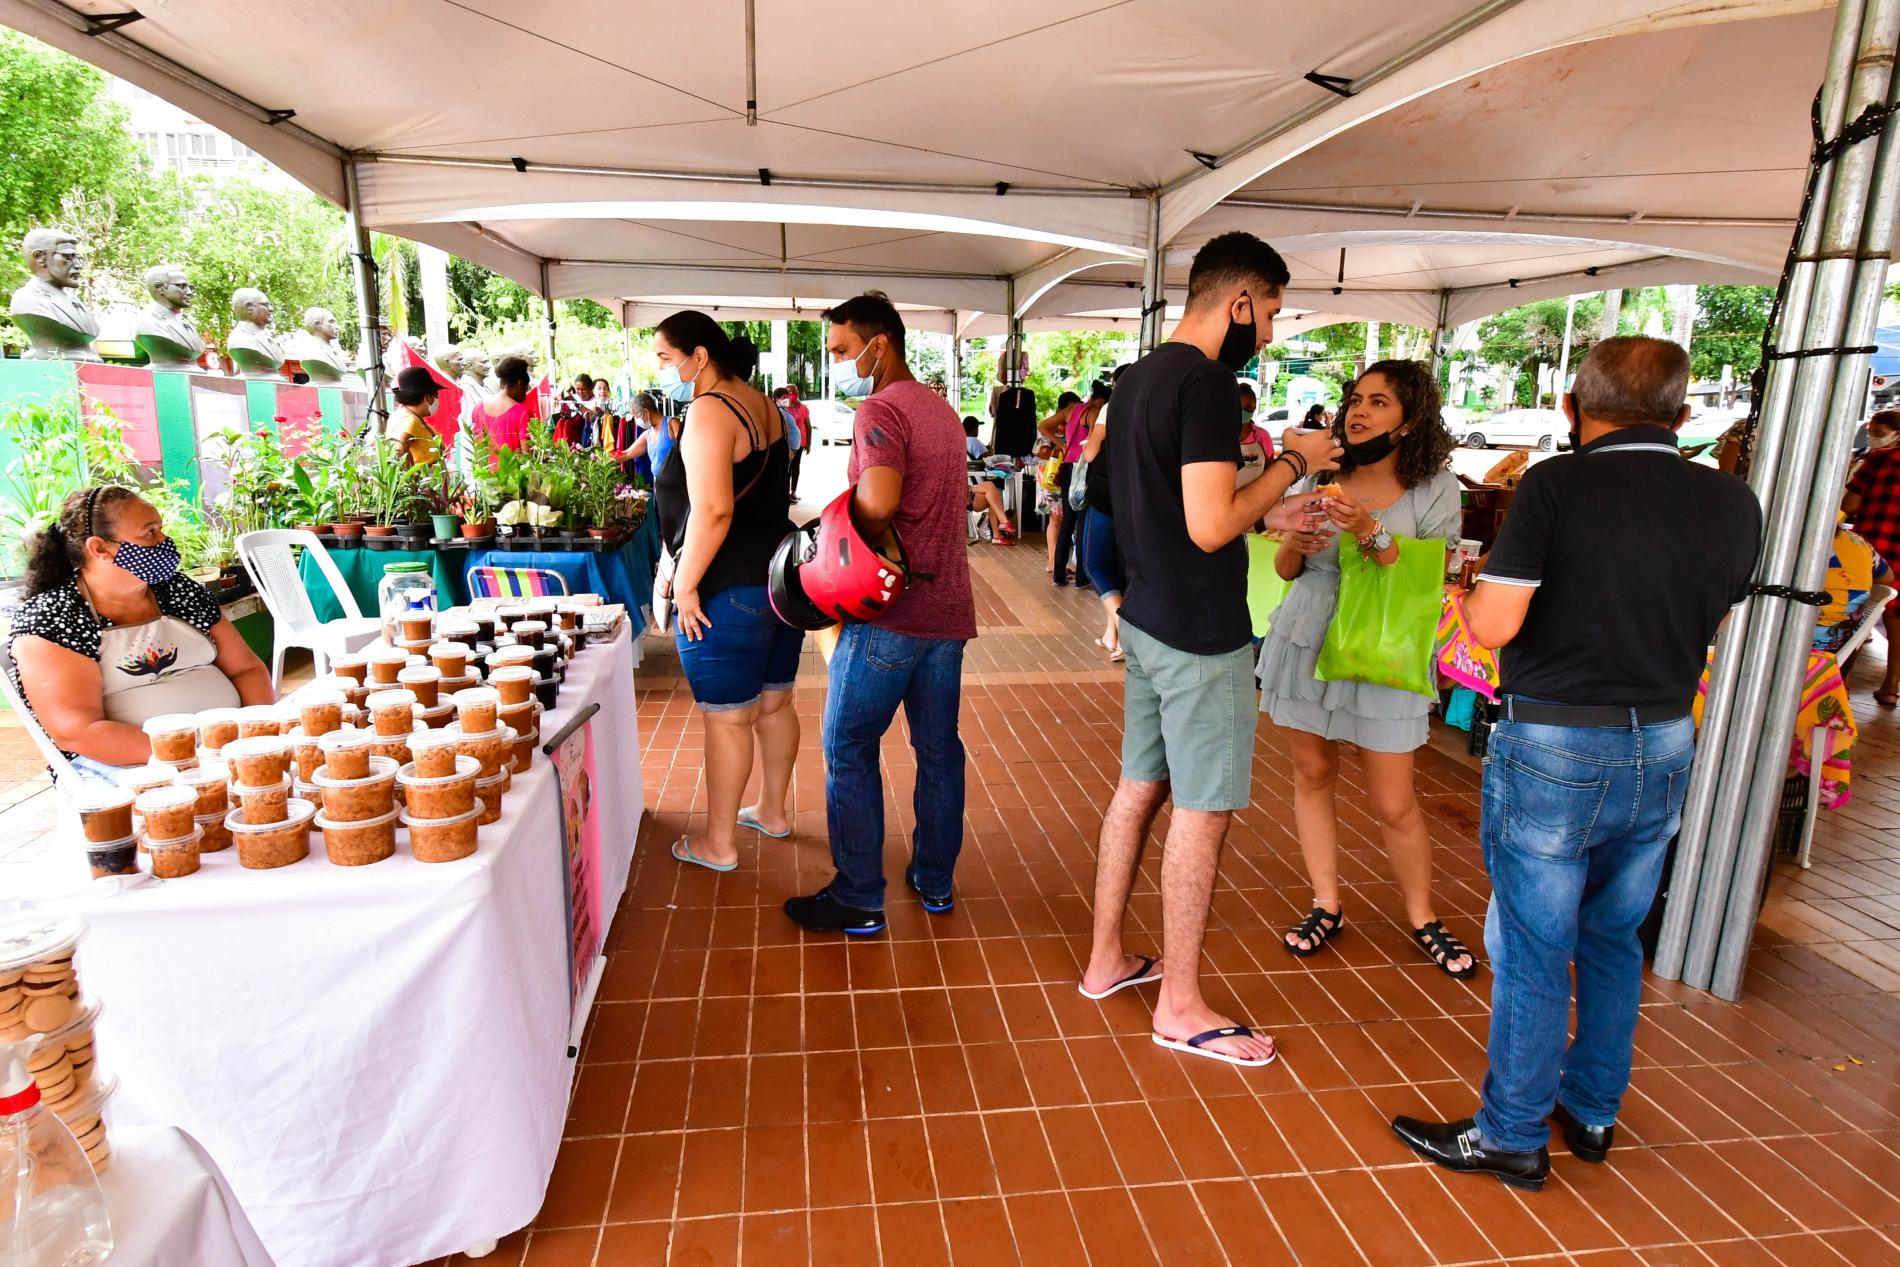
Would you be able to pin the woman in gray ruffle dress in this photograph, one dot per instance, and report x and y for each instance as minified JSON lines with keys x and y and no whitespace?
{"x":1394,"y":480}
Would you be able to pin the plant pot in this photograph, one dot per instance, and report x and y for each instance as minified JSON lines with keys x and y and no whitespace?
{"x":600,"y":534}
{"x":310,"y":527}
{"x":444,"y":525}
{"x":347,"y":528}
{"x":380,"y":530}
{"x":486,"y":528}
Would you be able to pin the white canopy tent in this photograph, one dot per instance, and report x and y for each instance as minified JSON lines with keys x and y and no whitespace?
{"x":1018,"y":161}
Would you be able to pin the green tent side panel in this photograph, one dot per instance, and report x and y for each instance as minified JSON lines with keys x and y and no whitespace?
{"x":177,"y":433}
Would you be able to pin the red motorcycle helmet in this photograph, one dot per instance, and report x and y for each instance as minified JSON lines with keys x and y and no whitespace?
{"x":826,"y":572}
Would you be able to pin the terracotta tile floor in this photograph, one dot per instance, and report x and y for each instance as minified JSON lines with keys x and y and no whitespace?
{"x":943,"y":1095}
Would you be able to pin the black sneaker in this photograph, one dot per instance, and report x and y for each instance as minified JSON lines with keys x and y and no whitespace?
{"x":823,"y":913}
{"x":935,"y":903}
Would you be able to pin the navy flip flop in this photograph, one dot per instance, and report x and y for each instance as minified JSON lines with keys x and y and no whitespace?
{"x":1140,"y":976}
{"x":1195,"y":1046}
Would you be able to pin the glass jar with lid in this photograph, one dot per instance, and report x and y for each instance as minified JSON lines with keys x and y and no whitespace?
{"x":406,"y":602}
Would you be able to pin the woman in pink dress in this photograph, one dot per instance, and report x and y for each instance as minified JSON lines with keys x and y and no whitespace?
{"x":504,"y":417}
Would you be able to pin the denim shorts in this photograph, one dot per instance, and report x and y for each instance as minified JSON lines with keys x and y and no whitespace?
{"x":747,"y":651}
{"x":1188,"y":720}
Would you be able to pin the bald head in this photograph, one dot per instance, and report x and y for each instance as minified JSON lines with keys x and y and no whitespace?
{"x":1632,"y":381}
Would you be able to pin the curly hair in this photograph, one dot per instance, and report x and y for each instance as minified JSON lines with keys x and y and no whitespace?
{"x":1425,"y":449}
{"x":57,"y":553}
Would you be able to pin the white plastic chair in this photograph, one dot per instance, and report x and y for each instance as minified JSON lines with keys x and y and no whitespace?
{"x":272,"y":568}
{"x":1869,"y":617}
{"x":55,"y":759}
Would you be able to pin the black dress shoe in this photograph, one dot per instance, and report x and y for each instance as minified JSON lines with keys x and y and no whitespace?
{"x":1458,"y":1146}
{"x":1586,"y":1143}
{"x":823,"y":913}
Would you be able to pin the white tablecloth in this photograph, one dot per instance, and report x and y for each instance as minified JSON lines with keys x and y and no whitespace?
{"x":170,"y":1207}
{"x":376,"y":1056}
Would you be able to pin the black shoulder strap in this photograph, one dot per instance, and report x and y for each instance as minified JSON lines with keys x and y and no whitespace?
{"x":745,"y":420}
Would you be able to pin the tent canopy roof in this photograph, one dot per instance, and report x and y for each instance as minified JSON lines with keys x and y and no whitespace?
{"x":987,"y":152}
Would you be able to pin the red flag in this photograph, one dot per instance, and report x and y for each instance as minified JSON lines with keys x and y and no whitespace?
{"x":542,"y":393}
{"x":447,"y":418}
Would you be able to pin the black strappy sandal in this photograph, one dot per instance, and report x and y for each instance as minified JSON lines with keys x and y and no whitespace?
{"x":1442,"y":948}
{"x":1318,"y":927}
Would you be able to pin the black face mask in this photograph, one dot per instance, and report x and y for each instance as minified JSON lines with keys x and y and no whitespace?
{"x":1368,"y":452}
{"x":1237,"y":346}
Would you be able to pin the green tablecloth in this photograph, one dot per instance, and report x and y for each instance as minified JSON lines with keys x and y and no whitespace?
{"x":362,"y":571}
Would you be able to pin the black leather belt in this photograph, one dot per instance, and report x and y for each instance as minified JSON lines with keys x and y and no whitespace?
{"x":1590,"y":714}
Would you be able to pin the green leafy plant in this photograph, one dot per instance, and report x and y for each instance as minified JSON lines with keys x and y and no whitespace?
{"x":596,"y":499}
{"x":390,"y":484}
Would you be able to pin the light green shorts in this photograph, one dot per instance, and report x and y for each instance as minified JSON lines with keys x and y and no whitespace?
{"x":1189,"y":720}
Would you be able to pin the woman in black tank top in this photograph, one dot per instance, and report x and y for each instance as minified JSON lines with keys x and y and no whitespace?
{"x":724,"y":507}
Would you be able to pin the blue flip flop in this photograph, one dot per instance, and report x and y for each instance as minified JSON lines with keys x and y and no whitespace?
{"x":1195,"y":1046}
{"x":683,"y":852}
{"x":746,"y":820}
{"x":1140,"y":976}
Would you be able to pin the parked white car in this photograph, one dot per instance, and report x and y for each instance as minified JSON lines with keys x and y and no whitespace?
{"x":831,"y":422}
{"x":1545,"y":430}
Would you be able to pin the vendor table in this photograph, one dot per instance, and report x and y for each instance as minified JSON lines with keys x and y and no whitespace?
{"x":362,"y":570}
{"x":377,"y":1057}
{"x":170,"y":1206}
{"x":623,"y":574}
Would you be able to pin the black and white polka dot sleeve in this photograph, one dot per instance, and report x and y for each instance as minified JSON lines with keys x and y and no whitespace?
{"x":185,"y":599}
{"x":61,"y":617}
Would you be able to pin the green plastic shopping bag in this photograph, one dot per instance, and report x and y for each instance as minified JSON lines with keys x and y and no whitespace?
{"x":1385,"y":629}
{"x":1265,"y":589}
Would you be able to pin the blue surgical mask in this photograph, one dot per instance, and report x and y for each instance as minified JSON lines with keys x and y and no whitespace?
{"x":848,"y":382}
{"x":152,"y":564}
{"x":675,"y":388}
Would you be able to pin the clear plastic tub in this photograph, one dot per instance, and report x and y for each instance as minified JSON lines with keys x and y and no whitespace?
{"x":530,"y":633}
{"x":450,"y":659}
{"x":523,"y":749}
{"x":105,"y":811}
{"x":492,"y":789}
{"x":307,"y":792}
{"x":521,"y":717}
{"x":320,"y":712}
{"x":264,"y":846}
{"x":361,"y":842}
{"x":83,"y":1112}
{"x":258,"y":760}
{"x":443,"y":796}
{"x":39,"y":947}
{"x":394,"y":747}
{"x":113,"y":857}
{"x":422,"y":680}
{"x":547,"y":691}
{"x":514,"y":683}
{"x":359,"y":799}
{"x":269,"y":803}
{"x":476,"y":709}
{"x":513,"y":654}
{"x":493,"y":748}
{"x":168,"y":811}
{"x":213,"y":835}
{"x":174,"y":736}
{"x":174,"y":859}
{"x":392,"y":712}
{"x":436,"y":718}
{"x":354,"y":666}
{"x":74,"y":1041}
{"x":346,"y":753}
{"x":442,"y":839}
{"x":262,"y":719}
{"x":434,"y":752}
{"x":211,"y":782}
{"x":216,"y":728}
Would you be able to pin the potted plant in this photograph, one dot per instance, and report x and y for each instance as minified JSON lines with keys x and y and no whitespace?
{"x":390,"y":485}
{"x":596,"y":497}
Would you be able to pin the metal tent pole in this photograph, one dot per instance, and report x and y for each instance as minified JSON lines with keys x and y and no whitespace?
{"x":1154,"y":301}
{"x":369,"y":313}
{"x":547,"y":315}
{"x":1857,"y":244}
{"x":1438,"y":334}
{"x":1710,"y":819}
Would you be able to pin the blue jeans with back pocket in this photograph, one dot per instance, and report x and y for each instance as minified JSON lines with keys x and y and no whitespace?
{"x":872,"y":671}
{"x":1575,"y":824}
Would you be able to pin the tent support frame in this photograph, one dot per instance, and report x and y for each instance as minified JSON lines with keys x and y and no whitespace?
{"x":369,"y":313}
{"x":1154,"y":298}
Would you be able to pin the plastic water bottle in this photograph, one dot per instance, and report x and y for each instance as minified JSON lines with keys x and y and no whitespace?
{"x":52,"y":1213}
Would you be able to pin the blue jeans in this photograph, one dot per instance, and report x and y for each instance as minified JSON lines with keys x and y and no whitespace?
{"x":1575,"y":824}
{"x":1100,"y":557}
{"x":872,"y":671}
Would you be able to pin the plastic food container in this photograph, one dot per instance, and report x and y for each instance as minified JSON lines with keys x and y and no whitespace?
{"x":211,"y":783}
{"x":258,"y":760}
{"x":523,"y":749}
{"x":346,"y":753}
{"x":174,"y":736}
{"x":395,"y":747}
{"x":476,"y":708}
{"x":306,"y":751}
{"x":509,"y":613}
{"x":434,"y":752}
{"x":264,"y":846}
{"x":514,"y":683}
{"x":417,"y":626}
{"x":577,"y":637}
{"x":354,"y":666}
{"x":41,"y":946}
{"x":444,"y":796}
{"x":462,"y":682}
{"x":512,"y":654}
{"x":73,"y":1042}
{"x":436,"y":718}
{"x":492,"y":789}
{"x":490,"y":747}
{"x":449,"y":659}
{"x":168,"y":811}
{"x":216,"y":728}
{"x":357,"y":800}
{"x":173,"y":859}
{"x":567,"y":616}
{"x":484,"y":627}
{"x":213,"y":835}
{"x":262,"y":719}
{"x":105,"y":811}
{"x":530,"y":633}
{"x":459,"y":629}
{"x":361,"y":842}
{"x":307,"y":791}
{"x":320,"y":712}
{"x":442,"y":839}
{"x":385,"y":663}
{"x":268,"y":803}
{"x":113,"y":857}
{"x":392,"y":712}
{"x":519,"y":717}
{"x":82,"y":1112}
{"x":547,"y":691}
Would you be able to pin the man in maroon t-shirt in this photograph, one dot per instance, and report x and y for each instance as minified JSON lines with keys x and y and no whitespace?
{"x":909,"y":476}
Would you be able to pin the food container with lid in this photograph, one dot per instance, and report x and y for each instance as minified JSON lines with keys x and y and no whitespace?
{"x":174,"y":737}
{"x":442,"y":839}
{"x":359,"y":842}
{"x":353,"y":800}
{"x":265,"y":846}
